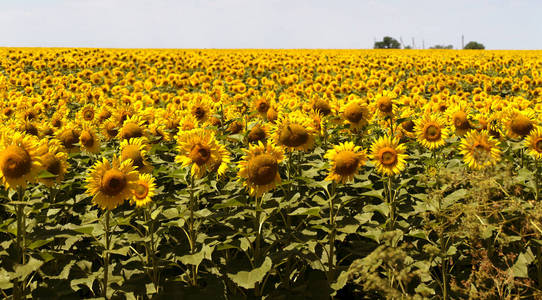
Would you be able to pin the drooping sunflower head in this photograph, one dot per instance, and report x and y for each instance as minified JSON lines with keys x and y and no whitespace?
{"x":200,"y":108}
{"x":136,"y":150}
{"x":258,"y":133}
{"x":356,"y":113}
{"x":388,"y":155}
{"x":258,"y":169}
{"x":199,"y":149}
{"x":533,"y":142}
{"x":89,"y":140}
{"x":294,"y":131}
{"x":69,"y":137}
{"x":19,"y":159}
{"x":322,"y":106}
{"x":520,"y":123}
{"x":479,"y":149}
{"x":346,"y":159}
{"x":109,"y":129}
{"x":111,"y":183}
{"x":53,"y":160}
{"x":431,"y":131}
{"x":144,"y":190}
{"x":385,"y":105}
{"x":461,"y":122}
{"x":133,"y":127}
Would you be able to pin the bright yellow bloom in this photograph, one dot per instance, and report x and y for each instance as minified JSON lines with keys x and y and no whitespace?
{"x":19,"y":159}
{"x":388,"y":155}
{"x":346,"y":160}
{"x":480,"y":150}
{"x":259,"y":168}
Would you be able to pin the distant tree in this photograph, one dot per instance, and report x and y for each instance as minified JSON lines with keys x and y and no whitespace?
{"x":387,"y":43}
{"x":474,"y":45}
{"x":407,"y":47}
{"x":442,"y":47}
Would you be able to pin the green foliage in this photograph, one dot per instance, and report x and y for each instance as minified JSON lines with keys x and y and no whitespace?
{"x":387,"y":43}
{"x":474,"y":45}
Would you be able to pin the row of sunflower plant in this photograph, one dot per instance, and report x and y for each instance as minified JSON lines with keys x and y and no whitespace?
{"x":270,"y":173}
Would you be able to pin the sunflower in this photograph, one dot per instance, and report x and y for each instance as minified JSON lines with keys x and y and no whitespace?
{"x":136,"y":150}
{"x":110,"y":183}
{"x":200,"y":109}
{"x":258,"y":133}
{"x":385,"y":106}
{"x":133,"y":127}
{"x":87,"y":113}
{"x":534,"y":143}
{"x":53,"y":160}
{"x":19,"y":159}
{"x":388,"y":155}
{"x":431,"y":131}
{"x":199,"y":148}
{"x":259,"y":168}
{"x":144,"y":190}
{"x":261,"y":105}
{"x":356,"y":113}
{"x":89,"y":140}
{"x":294,"y":131}
{"x":519,"y":124}
{"x":479,"y":149}
{"x":461,"y":122}
{"x":346,"y":160}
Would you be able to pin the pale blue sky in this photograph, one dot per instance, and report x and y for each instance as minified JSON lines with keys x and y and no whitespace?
{"x":499,"y":24}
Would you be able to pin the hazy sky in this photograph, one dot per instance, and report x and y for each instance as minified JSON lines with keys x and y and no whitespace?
{"x":498,"y":24}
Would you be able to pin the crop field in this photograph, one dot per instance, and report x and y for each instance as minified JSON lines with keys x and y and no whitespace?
{"x":276,"y":174}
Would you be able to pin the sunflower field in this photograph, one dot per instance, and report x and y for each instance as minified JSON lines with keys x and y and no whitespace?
{"x":276,"y":174}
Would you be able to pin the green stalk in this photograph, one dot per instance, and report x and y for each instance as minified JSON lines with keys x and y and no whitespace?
{"x":257,"y":247}
{"x":106,"y":252}
{"x":332,"y":225}
{"x":18,"y":288}
{"x":151,"y":250}
{"x":391,"y":203}
{"x":192,"y":233}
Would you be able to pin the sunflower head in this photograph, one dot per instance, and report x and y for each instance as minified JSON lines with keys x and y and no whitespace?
{"x":89,"y":140}
{"x":479,"y":149}
{"x":388,"y":156}
{"x":258,"y":169}
{"x":144,"y":190}
{"x":431,"y":131}
{"x":19,"y":159}
{"x":133,"y":127}
{"x":346,"y":160}
{"x":136,"y":150}
{"x":520,"y":124}
{"x":295,"y":132}
{"x":111,"y":183}
{"x":534,"y":143}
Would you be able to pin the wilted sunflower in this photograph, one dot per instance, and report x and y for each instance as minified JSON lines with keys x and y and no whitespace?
{"x":294,"y":131}
{"x":199,"y":148}
{"x":19,"y":159}
{"x":534,"y":143}
{"x":53,"y":160}
{"x":356,"y":113}
{"x":519,"y":124}
{"x":133,"y":127}
{"x":346,"y":160}
{"x":385,"y":106}
{"x":136,"y":150}
{"x":89,"y":140}
{"x":479,"y":149}
{"x":259,"y":168}
{"x":388,"y":155}
{"x":431,"y":131}
{"x":111,"y":183}
{"x":144,"y":190}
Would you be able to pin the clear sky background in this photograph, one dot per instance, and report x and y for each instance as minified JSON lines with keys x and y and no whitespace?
{"x":498,"y":24}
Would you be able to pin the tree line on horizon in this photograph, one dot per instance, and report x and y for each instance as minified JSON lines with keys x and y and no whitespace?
{"x":390,"y":43}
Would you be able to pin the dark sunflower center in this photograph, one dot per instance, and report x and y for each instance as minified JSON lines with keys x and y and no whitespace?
{"x":111,"y":129}
{"x":56,"y":123}
{"x":346,"y":163}
{"x":200,"y":154}
{"x":199,"y":113}
{"x":461,"y":122}
{"x":131,"y":130}
{"x":538,"y":145}
{"x":262,"y":106}
{"x":262,"y":169}
{"x":15,"y":162}
{"x":235,"y":127}
{"x":408,"y":125}
{"x":521,"y":125}
{"x":432,"y":133}
{"x":388,"y":156}
{"x":31,"y":129}
{"x":88,"y":115}
{"x":51,"y":163}
{"x":113,"y":182}
{"x":293,"y":135}
{"x":132,"y":152}
{"x":256,"y":134}
{"x":353,"y":113}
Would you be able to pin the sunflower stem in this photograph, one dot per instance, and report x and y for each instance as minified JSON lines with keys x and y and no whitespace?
{"x":191,"y":232}
{"x":391,"y":203}
{"x":151,"y":250}
{"x":331,"y":254}
{"x":257,"y":247}
{"x":18,"y":288}
{"x":536,"y":180}
{"x":106,"y":252}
